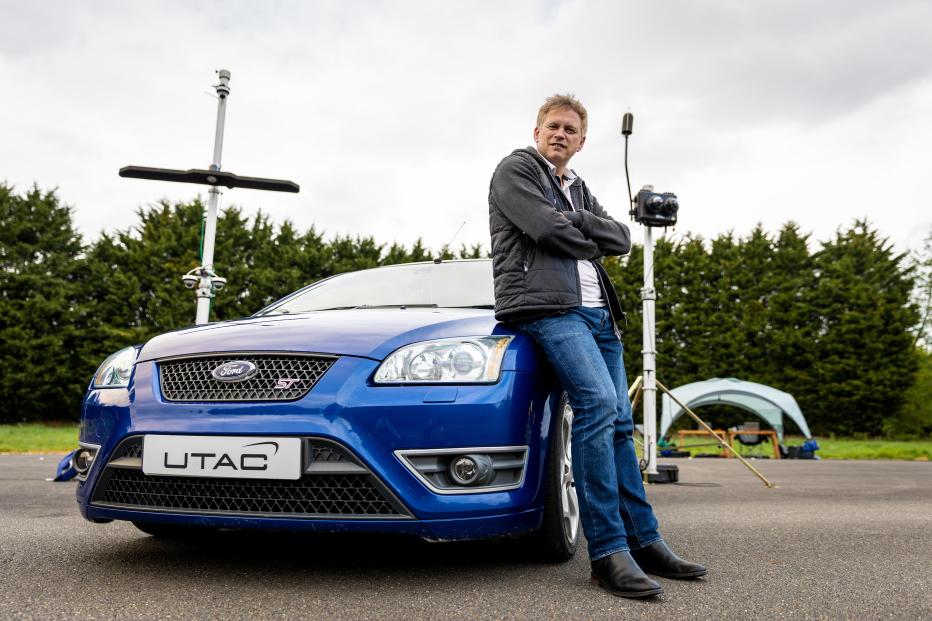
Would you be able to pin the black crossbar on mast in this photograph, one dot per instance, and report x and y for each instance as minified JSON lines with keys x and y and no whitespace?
{"x":209,"y":177}
{"x":203,"y":278}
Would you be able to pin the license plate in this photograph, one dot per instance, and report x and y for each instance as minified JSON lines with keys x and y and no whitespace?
{"x":225,"y":457}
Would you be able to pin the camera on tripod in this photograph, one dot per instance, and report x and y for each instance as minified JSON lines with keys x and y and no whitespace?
{"x":655,"y":208}
{"x":649,"y":208}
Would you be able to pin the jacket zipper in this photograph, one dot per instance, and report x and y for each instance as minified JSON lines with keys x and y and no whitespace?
{"x":524,"y":250}
{"x":578,"y":282}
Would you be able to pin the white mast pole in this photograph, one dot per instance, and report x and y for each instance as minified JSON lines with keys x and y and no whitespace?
{"x":205,"y":285}
{"x":648,"y":295}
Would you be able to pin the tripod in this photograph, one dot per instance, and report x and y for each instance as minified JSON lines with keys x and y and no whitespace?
{"x":651,"y":209}
{"x":635,"y":392}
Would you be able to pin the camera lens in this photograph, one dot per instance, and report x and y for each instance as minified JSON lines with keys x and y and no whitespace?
{"x":654,"y":203}
{"x":670,"y":206}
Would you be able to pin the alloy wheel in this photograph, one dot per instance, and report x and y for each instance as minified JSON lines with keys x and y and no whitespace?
{"x":569,"y":502}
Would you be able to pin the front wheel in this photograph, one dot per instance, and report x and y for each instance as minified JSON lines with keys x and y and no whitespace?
{"x":558,"y":536}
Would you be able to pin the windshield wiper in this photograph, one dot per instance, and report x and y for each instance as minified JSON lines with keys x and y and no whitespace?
{"x":378,"y":306}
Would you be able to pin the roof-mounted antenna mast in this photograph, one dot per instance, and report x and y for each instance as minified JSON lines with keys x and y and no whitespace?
{"x":204,"y":278}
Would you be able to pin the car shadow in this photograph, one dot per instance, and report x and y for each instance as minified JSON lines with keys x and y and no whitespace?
{"x":316,"y":556}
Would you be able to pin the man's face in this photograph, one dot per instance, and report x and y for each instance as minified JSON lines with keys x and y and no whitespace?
{"x":560,"y":136}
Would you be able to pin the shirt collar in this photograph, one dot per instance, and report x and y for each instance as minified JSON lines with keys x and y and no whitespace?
{"x":568,"y":178}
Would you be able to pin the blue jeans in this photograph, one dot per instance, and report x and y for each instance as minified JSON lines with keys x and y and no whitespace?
{"x":586,"y":355}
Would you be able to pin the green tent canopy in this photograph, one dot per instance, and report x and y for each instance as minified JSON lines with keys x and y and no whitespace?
{"x":766,"y":402}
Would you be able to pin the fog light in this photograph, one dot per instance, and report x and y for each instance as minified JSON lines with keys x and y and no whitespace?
{"x":83,"y":460}
{"x":471,"y":470}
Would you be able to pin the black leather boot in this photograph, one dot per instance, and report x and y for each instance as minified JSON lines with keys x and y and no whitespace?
{"x":660,"y":560}
{"x":619,"y":575}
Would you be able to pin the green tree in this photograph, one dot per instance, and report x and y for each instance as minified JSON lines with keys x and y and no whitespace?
{"x":792,"y":316}
{"x":475,"y":251}
{"x":831,"y":328}
{"x":348,"y":254}
{"x":43,"y":373}
{"x":863,"y":359}
{"x":835,"y":328}
{"x":914,"y":420}
{"x":261,"y":264}
{"x":134,"y":286}
{"x":923,"y":292}
{"x":399,"y":254}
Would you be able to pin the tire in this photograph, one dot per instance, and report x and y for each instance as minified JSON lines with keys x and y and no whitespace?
{"x":558,"y":536}
{"x":177,"y":532}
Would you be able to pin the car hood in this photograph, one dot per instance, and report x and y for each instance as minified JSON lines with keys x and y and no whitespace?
{"x":370,"y":333}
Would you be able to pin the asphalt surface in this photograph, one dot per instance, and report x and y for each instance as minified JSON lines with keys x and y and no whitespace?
{"x":835,"y":540}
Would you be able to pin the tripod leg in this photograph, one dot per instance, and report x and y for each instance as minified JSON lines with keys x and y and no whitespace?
{"x":637,"y":396}
{"x":635,"y":387}
{"x":723,"y":444}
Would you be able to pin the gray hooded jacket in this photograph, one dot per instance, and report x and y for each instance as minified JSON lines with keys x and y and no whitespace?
{"x":537,"y":239}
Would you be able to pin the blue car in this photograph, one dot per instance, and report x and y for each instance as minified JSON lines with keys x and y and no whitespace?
{"x":385,"y":400}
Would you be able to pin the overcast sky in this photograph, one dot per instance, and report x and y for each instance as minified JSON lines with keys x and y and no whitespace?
{"x":392,"y":115}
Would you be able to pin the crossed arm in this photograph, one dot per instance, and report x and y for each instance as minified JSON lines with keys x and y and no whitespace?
{"x":581,"y":234}
{"x":612,"y":237}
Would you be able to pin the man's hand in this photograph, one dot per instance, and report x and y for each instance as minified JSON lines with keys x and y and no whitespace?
{"x":612,"y":237}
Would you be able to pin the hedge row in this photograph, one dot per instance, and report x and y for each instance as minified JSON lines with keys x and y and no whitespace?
{"x":832,"y":325}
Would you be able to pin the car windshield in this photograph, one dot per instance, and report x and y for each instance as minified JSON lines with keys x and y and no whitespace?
{"x":451,"y":284}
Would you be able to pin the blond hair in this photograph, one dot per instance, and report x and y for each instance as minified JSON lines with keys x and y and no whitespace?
{"x":564,"y":101}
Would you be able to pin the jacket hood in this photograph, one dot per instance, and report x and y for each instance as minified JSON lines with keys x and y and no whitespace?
{"x":369,"y":333}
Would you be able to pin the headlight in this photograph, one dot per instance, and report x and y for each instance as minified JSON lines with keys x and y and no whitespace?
{"x":115,"y":371}
{"x":467,"y":360}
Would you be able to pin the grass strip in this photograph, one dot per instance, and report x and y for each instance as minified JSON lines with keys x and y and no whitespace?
{"x":38,"y":438}
{"x":829,"y":448}
{"x":63,"y":437}
{"x":848,"y":448}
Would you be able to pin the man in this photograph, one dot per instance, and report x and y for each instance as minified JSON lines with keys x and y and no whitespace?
{"x":547,"y":232}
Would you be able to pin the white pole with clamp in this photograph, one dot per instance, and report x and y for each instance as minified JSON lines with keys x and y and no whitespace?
{"x":203,"y":278}
{"x":208,"y":278}
{"x":648,"y":296}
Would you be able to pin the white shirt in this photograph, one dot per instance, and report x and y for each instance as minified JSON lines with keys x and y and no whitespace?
{"x":588,"y":278}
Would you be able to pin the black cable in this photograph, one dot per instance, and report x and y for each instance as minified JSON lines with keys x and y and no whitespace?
{"x":627,"y":176}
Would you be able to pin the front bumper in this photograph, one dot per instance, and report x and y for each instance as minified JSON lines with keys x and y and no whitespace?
{"x":371,"y":422}
{"x":451,"y":529}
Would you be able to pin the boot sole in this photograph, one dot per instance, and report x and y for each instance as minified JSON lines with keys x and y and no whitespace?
{"x":628,"y":594}
{"x":683,"y":576}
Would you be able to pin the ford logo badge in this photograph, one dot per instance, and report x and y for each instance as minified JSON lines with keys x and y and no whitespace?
{"x":234,"y":371}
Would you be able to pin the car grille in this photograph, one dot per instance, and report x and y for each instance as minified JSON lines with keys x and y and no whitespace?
{"x":128,"y":449}
{"x":342,"y":494}
{"x":343,"y":488}
{"x":321,"y":453}
{"x":279,"y":377}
